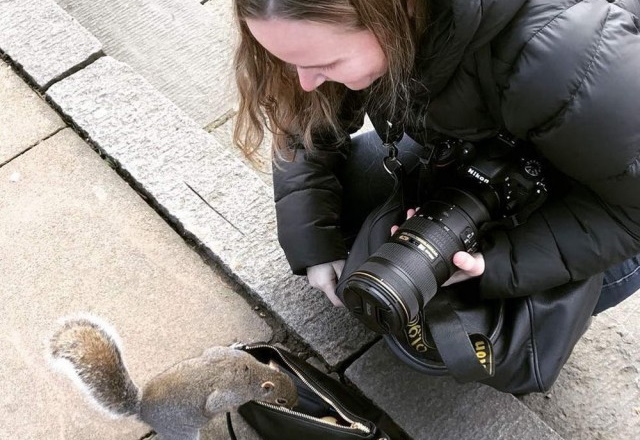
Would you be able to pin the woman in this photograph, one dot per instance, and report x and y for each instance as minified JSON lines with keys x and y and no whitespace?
{"x":559,"y":74}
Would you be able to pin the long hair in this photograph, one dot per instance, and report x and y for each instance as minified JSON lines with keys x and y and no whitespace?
{"x":270,"y":96}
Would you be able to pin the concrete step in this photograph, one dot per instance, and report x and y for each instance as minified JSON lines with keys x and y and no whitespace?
{"x":597,"y":395}
{"x":184,"y":49}
{"x":428,"y":407}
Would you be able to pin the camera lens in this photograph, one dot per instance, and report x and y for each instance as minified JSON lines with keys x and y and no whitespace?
{"x":393,"y":285}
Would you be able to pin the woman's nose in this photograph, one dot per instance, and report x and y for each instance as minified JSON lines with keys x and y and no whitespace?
{"x":310,"y":79}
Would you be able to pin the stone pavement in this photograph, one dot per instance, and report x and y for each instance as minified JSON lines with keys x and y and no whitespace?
{"x":146,"y":84}
{"x":76,"y":238}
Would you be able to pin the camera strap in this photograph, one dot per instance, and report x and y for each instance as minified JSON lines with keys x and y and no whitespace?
{"x":454,"y":344}
{"x":388,"y":131}
{"x":391,"y":133}
{"x":377,"y":226}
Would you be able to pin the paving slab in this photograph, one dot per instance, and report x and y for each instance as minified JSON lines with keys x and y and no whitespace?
{"x":45,"y":41}
{"x":429,"y":407}
{"x":76,"y":238}
{"x":181,"y":47}
{"x":26,"y":120}
{"x":597,"y":395}
{"x":209,"y":194}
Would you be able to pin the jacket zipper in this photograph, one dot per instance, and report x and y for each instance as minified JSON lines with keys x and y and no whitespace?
{"x":355,"y":425}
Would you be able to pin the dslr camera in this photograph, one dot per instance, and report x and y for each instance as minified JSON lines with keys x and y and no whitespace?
{"x":494,"y":182}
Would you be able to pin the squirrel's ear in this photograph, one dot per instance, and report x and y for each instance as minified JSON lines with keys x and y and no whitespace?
{"x":273,"y":365}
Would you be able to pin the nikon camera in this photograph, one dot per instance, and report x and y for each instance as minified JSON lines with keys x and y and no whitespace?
{"x":495,"y":181}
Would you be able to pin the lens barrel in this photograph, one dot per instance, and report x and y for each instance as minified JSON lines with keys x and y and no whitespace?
{"x":395,"y":282}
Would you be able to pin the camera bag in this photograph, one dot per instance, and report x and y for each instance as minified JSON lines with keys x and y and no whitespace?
{"x":517,"y":345}
{"x":319,"y":395}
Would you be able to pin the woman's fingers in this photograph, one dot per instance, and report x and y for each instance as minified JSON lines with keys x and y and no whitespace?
{"x":470,"y":266}
{"x":410,"y":213}
{"x":473,"y":265}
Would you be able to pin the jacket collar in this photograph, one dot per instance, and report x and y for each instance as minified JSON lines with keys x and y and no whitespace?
{"x":456,"y":28}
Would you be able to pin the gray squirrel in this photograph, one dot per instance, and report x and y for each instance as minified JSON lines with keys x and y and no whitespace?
{"x":176,"y":403}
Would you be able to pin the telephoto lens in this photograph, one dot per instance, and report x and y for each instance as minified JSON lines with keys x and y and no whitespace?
{"x":396,"y":281}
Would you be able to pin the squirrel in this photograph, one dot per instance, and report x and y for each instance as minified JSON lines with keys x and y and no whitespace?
{"x":176,"y":403}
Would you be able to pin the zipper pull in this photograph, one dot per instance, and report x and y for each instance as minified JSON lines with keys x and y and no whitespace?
{"x":360,"y":426}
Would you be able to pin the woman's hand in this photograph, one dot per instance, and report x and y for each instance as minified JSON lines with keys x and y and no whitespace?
{"x":470,"y":265}
{"x":325,"y":277}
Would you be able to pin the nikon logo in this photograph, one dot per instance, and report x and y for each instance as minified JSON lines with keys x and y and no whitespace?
{"x":475,"y":174}
{"x":414,"y":335}
{"x":484,"y":351}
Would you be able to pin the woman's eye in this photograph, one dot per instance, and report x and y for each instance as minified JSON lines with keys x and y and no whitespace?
{"x":327,"y":67}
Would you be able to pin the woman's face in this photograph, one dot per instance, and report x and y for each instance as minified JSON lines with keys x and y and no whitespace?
{"x":322,"y":52}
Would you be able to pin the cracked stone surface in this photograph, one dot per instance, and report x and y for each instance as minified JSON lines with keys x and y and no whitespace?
{"x":597,"y":395}
{"x":428,"y":407}
{"x":43,"y":39}
{"x":30,"y":119}
{"x":184,"y":49}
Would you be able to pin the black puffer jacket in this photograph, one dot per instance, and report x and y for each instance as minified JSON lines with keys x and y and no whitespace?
{"x":563,"y":74}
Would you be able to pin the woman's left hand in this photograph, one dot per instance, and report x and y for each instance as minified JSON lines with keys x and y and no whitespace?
{"x":470,"y":265}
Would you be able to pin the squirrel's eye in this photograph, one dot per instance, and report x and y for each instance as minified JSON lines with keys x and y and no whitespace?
{"x":268,"y":386}
{"x":281,"y":401}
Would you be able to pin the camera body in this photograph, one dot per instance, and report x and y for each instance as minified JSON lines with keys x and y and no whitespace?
{"x":497,"y":181}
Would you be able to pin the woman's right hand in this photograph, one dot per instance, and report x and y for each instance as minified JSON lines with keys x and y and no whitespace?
{"x":325,"y":277}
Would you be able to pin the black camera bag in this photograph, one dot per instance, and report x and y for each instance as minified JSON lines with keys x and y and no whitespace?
{"x":516,"y":345}
{"x":318,"y":395}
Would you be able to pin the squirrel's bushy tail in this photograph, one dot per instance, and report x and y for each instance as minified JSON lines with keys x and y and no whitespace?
{"x":92,"y":355}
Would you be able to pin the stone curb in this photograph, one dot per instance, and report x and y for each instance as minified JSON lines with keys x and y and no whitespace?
{"x":44,"y":41}
{"x":183,"y":48}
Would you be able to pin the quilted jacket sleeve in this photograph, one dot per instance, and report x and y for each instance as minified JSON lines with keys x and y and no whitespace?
{"x":308,"y":194}
{"x":575,"y":93}
{"x":308,"y":197}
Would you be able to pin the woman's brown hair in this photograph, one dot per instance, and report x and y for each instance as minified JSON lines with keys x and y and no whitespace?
{"x":272,"y":98}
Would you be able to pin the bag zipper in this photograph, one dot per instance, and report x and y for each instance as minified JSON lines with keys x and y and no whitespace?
{"x":355,"y":425}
